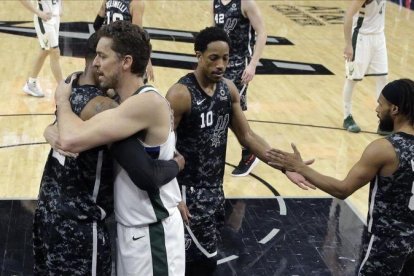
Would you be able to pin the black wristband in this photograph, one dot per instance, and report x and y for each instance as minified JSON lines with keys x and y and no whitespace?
{"x":97,"y":24}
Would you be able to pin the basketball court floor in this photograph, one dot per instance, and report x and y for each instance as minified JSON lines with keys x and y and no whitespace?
{"x":273,"y":227}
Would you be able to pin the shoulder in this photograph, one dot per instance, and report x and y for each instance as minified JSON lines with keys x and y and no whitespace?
{"x":178,"y":91}
{"x":380,"y":151}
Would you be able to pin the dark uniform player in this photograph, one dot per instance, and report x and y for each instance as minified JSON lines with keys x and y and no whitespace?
{"x":205,"y":105}
{"x":388,"y":247}
{"x":76,"y":195}
{"x":202,"y":177}
{"x":241,"y":20}
{"x":242,"y":36}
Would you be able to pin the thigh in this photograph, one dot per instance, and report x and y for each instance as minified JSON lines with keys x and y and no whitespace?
{"x":379,"y":60}
{"x":174,"y":244}
{"x":133,"y":251}
{"x":362,"y":57}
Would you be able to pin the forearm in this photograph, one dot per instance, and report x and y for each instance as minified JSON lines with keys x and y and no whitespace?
{"x":258,"y":48}
{"x":327,"y":184}
{"x":146,"y":173}
{"x":29,"y":6}
{"x":256,"y":145}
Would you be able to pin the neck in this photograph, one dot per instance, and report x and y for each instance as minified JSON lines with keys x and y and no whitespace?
{"x":87,"y":77}
{"x":128,"y":85}
{"x":207,"y":85}
{"x":403,"y":126}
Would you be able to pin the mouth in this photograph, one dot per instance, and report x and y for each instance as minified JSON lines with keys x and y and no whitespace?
{"x":218,"y":74}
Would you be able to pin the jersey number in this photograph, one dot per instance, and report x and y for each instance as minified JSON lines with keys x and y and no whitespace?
{"x":219,"y":18}
{"x":115,"y":17}
{"x":206,"y":119}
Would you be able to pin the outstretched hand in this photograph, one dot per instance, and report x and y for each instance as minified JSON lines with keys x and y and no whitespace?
{"x":291,"y":162}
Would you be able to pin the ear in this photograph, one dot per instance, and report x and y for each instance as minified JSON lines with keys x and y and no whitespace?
{"x":198,"y":55}
{"x":394,"y":110}
{"x":127,"y":62}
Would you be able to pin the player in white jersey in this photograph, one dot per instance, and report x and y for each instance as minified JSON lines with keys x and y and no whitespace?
{"x":365,"y":51}
{"x":150,"y":228}
{"x":47,"y":21}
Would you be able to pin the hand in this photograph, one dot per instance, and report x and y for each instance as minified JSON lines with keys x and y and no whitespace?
{"x":288,"y":161}
{"x":45,"y":16}
{"x":348,"y":52}
{"x":63,"y":90}
{"x":248,"y":73}
{"x":180,"y":160}
{"x":299,"y":180}
{"x":185,"y":213}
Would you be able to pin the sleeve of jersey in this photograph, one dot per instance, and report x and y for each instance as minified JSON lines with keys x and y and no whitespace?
{"x":81,"y":96}
{"x":146,"y":173}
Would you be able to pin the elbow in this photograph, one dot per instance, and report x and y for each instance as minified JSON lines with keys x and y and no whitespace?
{"x":342,"y":193}
{"x":67,"y":144}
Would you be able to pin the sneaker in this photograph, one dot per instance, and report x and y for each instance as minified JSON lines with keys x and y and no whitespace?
{"x":350,"y":125}
{"x":33,"y":90}
{"x":246,"y":164}
{"x":383,"y":132}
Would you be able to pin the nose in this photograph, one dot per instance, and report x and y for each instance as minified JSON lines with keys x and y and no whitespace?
{"x":95,"y":62}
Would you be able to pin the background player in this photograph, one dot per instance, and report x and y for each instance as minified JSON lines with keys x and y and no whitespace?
{"x":47,"y":21}
{"x":242,"y":22}
{"x":365,"y":51}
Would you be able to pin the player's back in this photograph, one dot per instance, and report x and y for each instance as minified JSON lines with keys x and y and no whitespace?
{"x":117,"y":10}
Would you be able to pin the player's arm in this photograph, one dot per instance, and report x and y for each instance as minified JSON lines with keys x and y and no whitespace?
{"x":252,"y":12}
{"x":147,"y":174}
{"x":180,"y":101}
{"x":213,"y":23}
{"x":106,"y":127}
{"x":43,"y":15}
{"x":378,"y":157}
{"x":100,"y":17}
{"x":349,"y":14}
{"x":137,"y":8}
{"x":240,"y":126}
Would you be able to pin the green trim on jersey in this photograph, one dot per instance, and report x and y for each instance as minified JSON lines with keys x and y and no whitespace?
{"x":158,"y":249}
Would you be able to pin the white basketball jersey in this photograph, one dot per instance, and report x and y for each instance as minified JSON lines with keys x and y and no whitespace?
{"x":371,"y":17}
{"x":135,"y":207}
{"x":52,"y":6}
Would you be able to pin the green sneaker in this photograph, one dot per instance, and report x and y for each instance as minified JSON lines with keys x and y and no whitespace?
{"x":350,"y":125}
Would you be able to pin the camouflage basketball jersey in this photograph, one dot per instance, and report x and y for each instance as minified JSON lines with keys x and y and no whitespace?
{"x":78,"y":188}
{"x":230,"y":18}
{"x":391,"y":200}
{"x":202,"y":135}
{"x":117,"y":10}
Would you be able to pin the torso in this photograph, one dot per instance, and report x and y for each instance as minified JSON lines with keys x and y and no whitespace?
{"x":391,"y":209}
{"x":371,"y":18}
{"x":202,"y":135}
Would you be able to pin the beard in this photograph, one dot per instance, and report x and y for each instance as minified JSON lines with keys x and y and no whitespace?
{"x":386,"y":123}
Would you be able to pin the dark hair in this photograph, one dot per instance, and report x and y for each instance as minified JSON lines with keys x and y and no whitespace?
{"x":90,"y":47}
{"x":406,"y":106}
{"x":129,"y":39}
{"x":208,"y":35}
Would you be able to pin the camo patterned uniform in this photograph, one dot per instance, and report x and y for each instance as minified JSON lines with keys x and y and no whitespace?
{"x":76,"y":194}
{"x":230,"y":18}
{"x":202,"y":140}
{"x":389,"y":243}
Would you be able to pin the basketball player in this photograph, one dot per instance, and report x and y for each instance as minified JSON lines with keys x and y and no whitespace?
{"x":76,"y":194}
{"x":205,"y":105}
{"x":242,"y":22}
{"x":365,"y":51}
{"x":149,"y":226}
{"x":47,"y":22}
{"x":128,"y":10}
{"x":388,"y":163}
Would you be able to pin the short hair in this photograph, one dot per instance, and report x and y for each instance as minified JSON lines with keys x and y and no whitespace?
{"x":208,"y":35}
{"x":90,"y":47}
{"x":129,"y":39}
